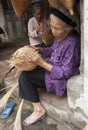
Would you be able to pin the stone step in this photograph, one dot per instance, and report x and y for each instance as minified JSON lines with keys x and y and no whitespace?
{"x":58,"y":110}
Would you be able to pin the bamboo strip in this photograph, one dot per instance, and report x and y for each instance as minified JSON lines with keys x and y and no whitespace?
{"x":17,"y":123}
{"x":4,"y":99}
{"x":86,"y":127}
{"x":5,"y":74}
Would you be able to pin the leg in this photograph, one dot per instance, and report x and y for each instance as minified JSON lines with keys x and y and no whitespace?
{"x":38,"y":114}
{"x":28,"y":83}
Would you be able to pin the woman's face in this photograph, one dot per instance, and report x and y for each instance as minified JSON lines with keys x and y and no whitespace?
{"x":38,"y":15}
{"x":57,"y":27}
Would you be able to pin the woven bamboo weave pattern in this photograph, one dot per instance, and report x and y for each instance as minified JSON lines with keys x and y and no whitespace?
{"x":68,"y":4}
{"x":19,"y":59}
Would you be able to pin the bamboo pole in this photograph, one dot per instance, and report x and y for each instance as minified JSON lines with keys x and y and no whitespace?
{"x":4,"y":99}
{"x":86,"y":127}
{"x":17,"y":123}
{"x":5,"y":88}
{"x":5,"y":74}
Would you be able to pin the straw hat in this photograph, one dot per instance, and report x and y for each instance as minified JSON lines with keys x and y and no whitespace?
{"x":64,"y":15}
{"x":20,"y":6}
{"x":19,"y":59}
{"x":68,"y":4}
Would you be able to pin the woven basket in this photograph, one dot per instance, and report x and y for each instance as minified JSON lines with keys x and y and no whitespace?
{"x":20,"y":6}
{"x":48,"y":37}
{"x":68,"y":4}
{"x":19,"y":59}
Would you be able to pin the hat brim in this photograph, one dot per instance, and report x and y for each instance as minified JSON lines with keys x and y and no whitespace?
{"x":63,"y":17}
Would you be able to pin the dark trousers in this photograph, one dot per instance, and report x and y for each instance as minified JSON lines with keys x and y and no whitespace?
{"x":29,"y":81}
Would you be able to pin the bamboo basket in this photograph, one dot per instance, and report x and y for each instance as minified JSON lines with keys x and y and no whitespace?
{"x":19,"y":60}
{"x":20,"y":6}
{"x":48,"y":37}
{"x":17,"y":123}
{"x":68,"y":4}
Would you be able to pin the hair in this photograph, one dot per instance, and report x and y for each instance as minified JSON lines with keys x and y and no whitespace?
{"x":52,"y":16}
{"x":36,"y":7}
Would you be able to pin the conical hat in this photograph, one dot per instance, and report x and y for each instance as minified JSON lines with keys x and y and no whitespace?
{"x":68,"y":4}
{"x":20,"y":6}
{"x":53,"y":3}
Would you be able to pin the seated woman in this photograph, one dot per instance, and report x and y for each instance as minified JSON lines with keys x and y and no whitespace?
{"x":36,"y":26}
{"x":64,"y":63}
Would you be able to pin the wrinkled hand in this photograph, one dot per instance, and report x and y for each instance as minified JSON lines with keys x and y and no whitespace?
{"x":34,"y":58}
{"x":38,"y":49}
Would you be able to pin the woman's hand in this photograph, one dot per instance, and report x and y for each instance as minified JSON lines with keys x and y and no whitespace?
{"x":34,"y":58}
{"x":38,"y":29}
{"x":37,"y":59}
{"x":38,"y":49}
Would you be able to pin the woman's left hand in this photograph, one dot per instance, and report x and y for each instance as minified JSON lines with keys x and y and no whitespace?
{"x":34,"y":58}
{"x":38,"y":60}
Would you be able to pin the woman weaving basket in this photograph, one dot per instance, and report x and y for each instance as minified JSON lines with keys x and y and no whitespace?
{"x":64,"y":63}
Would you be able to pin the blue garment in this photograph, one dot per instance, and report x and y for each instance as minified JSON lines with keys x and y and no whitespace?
{"x":65,"y":58}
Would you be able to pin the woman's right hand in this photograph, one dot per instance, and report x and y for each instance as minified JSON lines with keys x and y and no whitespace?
{"x":39,"y":49}
{"x":38,"y":30}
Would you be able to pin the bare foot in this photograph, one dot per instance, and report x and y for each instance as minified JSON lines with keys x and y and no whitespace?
{"x":34,"y":117}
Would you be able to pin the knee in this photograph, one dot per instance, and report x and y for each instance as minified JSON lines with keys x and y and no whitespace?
{"x":24,"y":75}
{"x":21,"y":76}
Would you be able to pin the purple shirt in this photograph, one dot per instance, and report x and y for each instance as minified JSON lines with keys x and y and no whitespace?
{"x":65,"y":58}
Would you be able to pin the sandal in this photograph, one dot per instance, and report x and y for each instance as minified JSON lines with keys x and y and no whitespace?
{"x":8,"y":110}
{"x":31,"y":121}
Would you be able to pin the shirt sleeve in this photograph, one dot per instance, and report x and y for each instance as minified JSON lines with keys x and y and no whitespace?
{"x":69,"y":62}
{"x":31,"y":30}
{"x":47,"y":52}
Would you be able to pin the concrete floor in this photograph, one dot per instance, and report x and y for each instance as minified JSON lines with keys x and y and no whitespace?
{"x":8,"y":124}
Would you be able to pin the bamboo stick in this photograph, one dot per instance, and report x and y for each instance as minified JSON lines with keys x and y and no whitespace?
{"x":4,"y":75}
{"x":5,"y":88}
{"x":86,"y":127}
{"x":4,"y":99}
{"x":17,"y":123}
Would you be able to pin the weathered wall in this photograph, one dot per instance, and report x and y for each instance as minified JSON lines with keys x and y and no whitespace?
{"x":2,"y":23}
{"x":80,"y":83}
